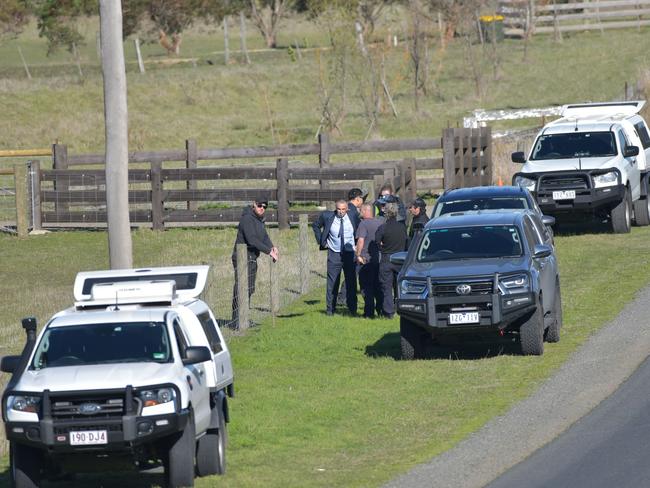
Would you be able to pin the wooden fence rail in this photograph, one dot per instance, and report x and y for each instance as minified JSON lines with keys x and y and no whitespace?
{"x":73,"y":193}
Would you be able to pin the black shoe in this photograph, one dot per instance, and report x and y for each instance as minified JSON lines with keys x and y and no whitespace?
{"x":329,"y":313}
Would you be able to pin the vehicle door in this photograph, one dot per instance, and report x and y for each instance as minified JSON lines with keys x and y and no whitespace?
{"x":219,"y":348}
{"x":195,"y":377}
{"x":642,"y":131}
{"x":546,"y":268}
{"x":630,"y":165}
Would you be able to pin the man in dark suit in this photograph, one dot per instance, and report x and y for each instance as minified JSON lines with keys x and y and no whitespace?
{"x":334,"y":231}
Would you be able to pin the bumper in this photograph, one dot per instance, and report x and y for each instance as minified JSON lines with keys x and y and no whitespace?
{"x":590,"y":200}
{"x":122,"y":434}
{"x":496,"y":312}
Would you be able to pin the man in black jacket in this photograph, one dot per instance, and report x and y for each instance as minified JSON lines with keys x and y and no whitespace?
{"x":334,"y":231}
{"x":391,"y":238}
{"x":252,"y":232}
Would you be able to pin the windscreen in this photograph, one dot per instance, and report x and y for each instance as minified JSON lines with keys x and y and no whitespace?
{"x":492,"y":203}
{"x":476,"y":242}
{"x":574,"y":145}
{"x":129,"y":342}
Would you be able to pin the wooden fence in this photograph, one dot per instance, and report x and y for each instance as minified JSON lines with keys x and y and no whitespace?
{"x":522,"y":17}
{"x":171,"y":189}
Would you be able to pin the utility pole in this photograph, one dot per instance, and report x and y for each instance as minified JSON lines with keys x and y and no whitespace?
{"x":117,"y":143}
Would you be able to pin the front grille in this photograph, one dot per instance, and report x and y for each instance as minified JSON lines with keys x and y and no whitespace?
{"x":564,"y":182}
{"x":95,"y":407}
{"x":449,"y":289}
{"x":63,"y":430}
{"x":474,"y":307}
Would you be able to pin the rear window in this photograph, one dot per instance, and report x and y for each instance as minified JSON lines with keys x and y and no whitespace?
{"x":573,"y":145}
{"x":210,"y":329}
{"x":642,"y":131}
{"x":492,"y":203}
{"x":476,"y":242}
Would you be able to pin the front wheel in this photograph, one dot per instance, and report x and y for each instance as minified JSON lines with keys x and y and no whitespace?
{"x":26,"y":466}
{"x":642,"y":211}
{"x":531,"y":333}
{"x":412,"y":340}
{"x":622,"y":215}
{"x":179,"y":465}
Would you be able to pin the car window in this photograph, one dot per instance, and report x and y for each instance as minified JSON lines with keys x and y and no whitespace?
{"x":540,"y":229}
{"x":531,"y":236}
{"x":210,"y":329}
{"x":622,"y":140}
{"x":642,"y":131}
{"x":181,"y":341}
{"x":489,"y":203}
{"x":472,"y":242}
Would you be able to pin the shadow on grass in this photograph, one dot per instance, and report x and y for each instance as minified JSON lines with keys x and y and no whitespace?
{"x":113,"y":479}
{"x":389,"y":346}
{"x":582,"y":228}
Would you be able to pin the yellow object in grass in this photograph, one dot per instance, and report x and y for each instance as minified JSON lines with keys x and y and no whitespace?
{"x":490,"y":18}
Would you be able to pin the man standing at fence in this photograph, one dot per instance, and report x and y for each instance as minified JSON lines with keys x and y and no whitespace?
{"x":391,"y":238}
{"x":334,"y":231}
{"x":367,"y":255}
{"x":252,"y":232}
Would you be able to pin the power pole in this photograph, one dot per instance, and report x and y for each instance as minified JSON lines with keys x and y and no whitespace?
{"x":117,"y":143}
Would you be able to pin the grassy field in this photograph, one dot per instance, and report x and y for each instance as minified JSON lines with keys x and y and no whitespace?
{"x":323,"y":401}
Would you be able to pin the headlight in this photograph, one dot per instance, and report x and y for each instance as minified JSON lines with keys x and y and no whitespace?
{"x":413,"y":287}
{"x":608,"y":179}
{"x":509,"y":285}
{"x":25,"y":403}
{"x":525,"y":182}
{"x":151,"y":398}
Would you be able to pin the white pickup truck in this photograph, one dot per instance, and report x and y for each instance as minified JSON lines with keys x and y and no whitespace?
{"x":593,"y":160}
{"x":137,"y":371}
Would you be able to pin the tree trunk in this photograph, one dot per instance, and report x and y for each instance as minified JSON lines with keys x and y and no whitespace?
{"x":117,"y":143}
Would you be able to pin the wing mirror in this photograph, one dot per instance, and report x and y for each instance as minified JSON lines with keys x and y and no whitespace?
{"x":548,"y":220}
{"x":631,"y":151}
{"x":197,"y":354}
{"x":398,"y":258}
{"x":9,"y":364}
{"x":542,"y":251}
{"x":518,"y":157}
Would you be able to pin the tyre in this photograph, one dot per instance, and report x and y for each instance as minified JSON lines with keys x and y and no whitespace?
{"x":179,"y":465}
{"x":622,"y":215}
{"x":412,"y":340}
{"x":531,"y":333}
{"x":26,"y":465}
{"x":211,"y":448}
{"x":552,"y":334}
{"x":642,"y":212}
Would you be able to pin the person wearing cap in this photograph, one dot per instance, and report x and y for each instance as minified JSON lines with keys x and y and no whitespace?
{"x":334,"y":231}
{"x":252,"y":232}
{"x":387,"y":195}
{"x":418,"y":209}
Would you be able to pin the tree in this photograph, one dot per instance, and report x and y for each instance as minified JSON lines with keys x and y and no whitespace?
{"x":13,"y":16}
{"x":266,"y":15}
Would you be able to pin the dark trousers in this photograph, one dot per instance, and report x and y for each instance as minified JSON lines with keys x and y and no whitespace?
{"x":370,"y":289}
{"x":388,"y":278}
{"x":337,"y":261}
{"x":252,"y":274}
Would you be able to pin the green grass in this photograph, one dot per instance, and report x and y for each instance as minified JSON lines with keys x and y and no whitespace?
{"x":322,"y":401}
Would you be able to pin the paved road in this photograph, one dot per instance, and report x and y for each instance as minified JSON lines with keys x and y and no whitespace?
{"x":607,"y":448}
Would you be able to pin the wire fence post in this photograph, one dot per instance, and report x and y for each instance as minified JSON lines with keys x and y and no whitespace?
{"x":304,"y":254}
{"x":243,"y":305}
{"x":35,"y":187}
{"x":22,"y":199}
{"x":274,"y":287}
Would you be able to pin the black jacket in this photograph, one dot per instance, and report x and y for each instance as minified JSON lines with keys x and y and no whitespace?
{"x":252,"y":232}
{"x":417,"y":224}
{"x":391,"y":236}
{"x":322,"y":225}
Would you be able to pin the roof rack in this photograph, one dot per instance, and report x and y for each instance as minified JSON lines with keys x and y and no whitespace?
{"x":611,"y":109}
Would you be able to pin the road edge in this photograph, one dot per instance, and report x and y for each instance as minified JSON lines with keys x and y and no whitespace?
{"x":592,"y":373}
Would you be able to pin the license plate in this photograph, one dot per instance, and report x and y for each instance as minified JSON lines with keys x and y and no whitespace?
{"x":564,"y":195}
{"x":464,"y":318}
{"x":88,"y":438}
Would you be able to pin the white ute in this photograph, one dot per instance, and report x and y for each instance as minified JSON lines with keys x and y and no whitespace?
{"x":593,"y":160}
{"x":136,"y":373}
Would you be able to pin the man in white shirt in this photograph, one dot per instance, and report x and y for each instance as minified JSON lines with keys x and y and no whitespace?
{"x":334,"y":231}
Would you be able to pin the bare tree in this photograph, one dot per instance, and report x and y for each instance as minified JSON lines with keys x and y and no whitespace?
{"x":117,"y":143}
{"x":266,"y":15}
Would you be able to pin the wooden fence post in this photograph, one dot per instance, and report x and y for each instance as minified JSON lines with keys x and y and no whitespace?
{"x":191,"y":162}
{"x":449,"y":158}
{"x":22,"y":199}
{"x":156,"y":195}
{"x":243,"y":307}
{"x":408,"y":180}
{"x":35,"y":179}
{"x":303,"y":246}
{"x":486,"y":159}
{"x":60,"y":161}
{"x":282,"y":178}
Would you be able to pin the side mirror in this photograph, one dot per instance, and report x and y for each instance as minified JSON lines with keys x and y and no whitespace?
{"x":398,"y":258}
{"x":548,"y":220}
{"x":9,"y":364}
{"x":197,"y":354}
{"x":542,"y":251}
{"x":631,"y":151}
{"x":518,"y":157}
